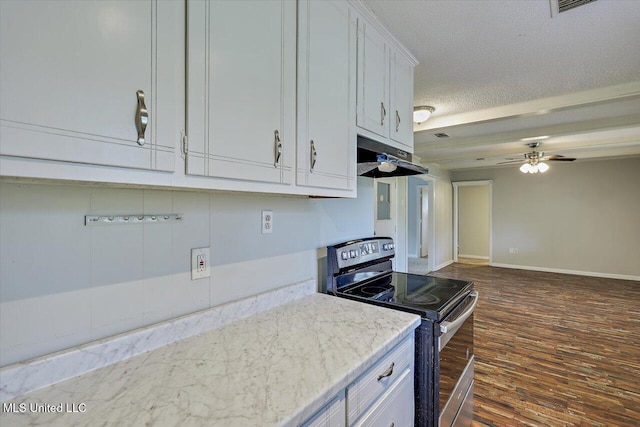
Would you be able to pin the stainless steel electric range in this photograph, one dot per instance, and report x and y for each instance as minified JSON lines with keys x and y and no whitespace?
{"x":361,"y":270}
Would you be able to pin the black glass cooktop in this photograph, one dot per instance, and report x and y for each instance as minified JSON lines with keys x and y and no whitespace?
{"x":429,"y":296}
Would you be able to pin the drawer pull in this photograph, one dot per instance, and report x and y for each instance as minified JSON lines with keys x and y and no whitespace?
{"x":387,"y":373}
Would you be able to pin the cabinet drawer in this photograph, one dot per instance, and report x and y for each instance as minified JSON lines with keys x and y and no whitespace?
{"x":331,"y":415}
{"x":379,"y":379}
{"x":395,"y":408}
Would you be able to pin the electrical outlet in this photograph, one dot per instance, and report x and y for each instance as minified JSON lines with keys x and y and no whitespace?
{"x":200,"y":260}
{"x":267,"y":222}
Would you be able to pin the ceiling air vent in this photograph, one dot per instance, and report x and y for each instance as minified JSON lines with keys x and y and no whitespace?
{"x":564,"y":5}
{"x":441,"y":135}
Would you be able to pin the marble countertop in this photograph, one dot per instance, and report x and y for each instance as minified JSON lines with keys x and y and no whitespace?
{"x":273,"y":368}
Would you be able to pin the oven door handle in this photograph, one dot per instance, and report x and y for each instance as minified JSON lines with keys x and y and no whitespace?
{"x":448,"y":329}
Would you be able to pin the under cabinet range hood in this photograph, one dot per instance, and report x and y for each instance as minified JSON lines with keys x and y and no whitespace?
{"x":377,"y":160}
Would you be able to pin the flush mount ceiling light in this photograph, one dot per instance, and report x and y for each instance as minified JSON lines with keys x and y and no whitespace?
{"x":422,"y":113}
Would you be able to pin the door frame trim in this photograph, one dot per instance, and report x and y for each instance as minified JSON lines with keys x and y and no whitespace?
{"x":456,"y":185}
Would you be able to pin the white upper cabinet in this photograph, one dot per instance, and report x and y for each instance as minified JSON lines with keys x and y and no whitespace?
{"x":401,"y":100}
{"x":252,"y":95}
{"x":384,"y":86}
{"x":73,"y":77}
{"x":241,"y":62}
{"x":326,"y":95}
{"x":373,"y":80}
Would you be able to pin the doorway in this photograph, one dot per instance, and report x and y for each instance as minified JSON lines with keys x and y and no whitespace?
{"x":421,"y":224}
{"x":472,"y":222}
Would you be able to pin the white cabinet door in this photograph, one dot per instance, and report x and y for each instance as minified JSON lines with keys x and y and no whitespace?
{"x":373,"y":80}
{"x":241,"y":65}
{"x":384,"y":89}
{"x":395,"y":408}
{"x":333,"y":414}
{"x":326,"y":95}
{"x":401,"y":91}
{"x":69,"y":75}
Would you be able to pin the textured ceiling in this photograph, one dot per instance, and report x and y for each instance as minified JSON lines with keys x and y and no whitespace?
{"x":478,"y":58}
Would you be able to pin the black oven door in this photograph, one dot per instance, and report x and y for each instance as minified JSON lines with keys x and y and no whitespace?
{"x":456,"y":361}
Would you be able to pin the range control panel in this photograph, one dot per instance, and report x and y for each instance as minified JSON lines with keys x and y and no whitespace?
{"x":366,"y":250}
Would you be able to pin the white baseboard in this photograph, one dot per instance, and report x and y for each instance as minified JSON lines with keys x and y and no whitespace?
{"x":563,"y":271}
{"x":412,"y":255}
{"x":443,"y":265}
{"x":473,"y":256}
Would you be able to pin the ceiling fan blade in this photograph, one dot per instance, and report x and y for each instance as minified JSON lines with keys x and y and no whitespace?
{"x":510,"y":161}
{"x":560,"y":158}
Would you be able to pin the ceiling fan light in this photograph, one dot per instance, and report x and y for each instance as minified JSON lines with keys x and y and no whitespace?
{"x":525,"y":168}
{"x":543,"y":167}
{"x":422,"y":113}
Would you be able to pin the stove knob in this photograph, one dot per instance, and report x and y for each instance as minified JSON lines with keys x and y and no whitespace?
{"x":391,"y":246}
{"x":344,"y":255}
{"x":385,"y":247}
{"x":352,"y":254}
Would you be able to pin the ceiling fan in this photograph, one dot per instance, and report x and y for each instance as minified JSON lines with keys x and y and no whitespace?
{"x":533,"y":162}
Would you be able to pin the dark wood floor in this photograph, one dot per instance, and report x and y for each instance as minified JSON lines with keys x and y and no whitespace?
{"x":554,"y":349}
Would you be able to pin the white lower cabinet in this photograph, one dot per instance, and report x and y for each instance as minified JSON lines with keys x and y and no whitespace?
{"x":393,"y":408}
{"x":382,"y":396}
{"x":333,"y":414}
{"x":385,"y":391}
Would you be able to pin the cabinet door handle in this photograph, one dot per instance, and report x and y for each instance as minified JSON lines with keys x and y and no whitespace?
{"x":314,"y":156}
{"x":397,"y":121}
{"x":277,"y":148}
{"x":387,"y":373}
{"x":142,"y":117}
{"x":383,"y":113}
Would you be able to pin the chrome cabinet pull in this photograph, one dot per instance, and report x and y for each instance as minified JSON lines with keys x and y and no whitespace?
{"x":277,"y":148}
{"x":142,"y":117}
{"x":314,"y":156}
{"x":387,"y":373}
{"x":383,"y":113}
{"x":397,"y":121}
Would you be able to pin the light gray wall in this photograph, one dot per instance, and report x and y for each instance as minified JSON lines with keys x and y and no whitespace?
{"x":63,"y":283}
{"x":582,"y":216}
{"x":473,"y":221}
